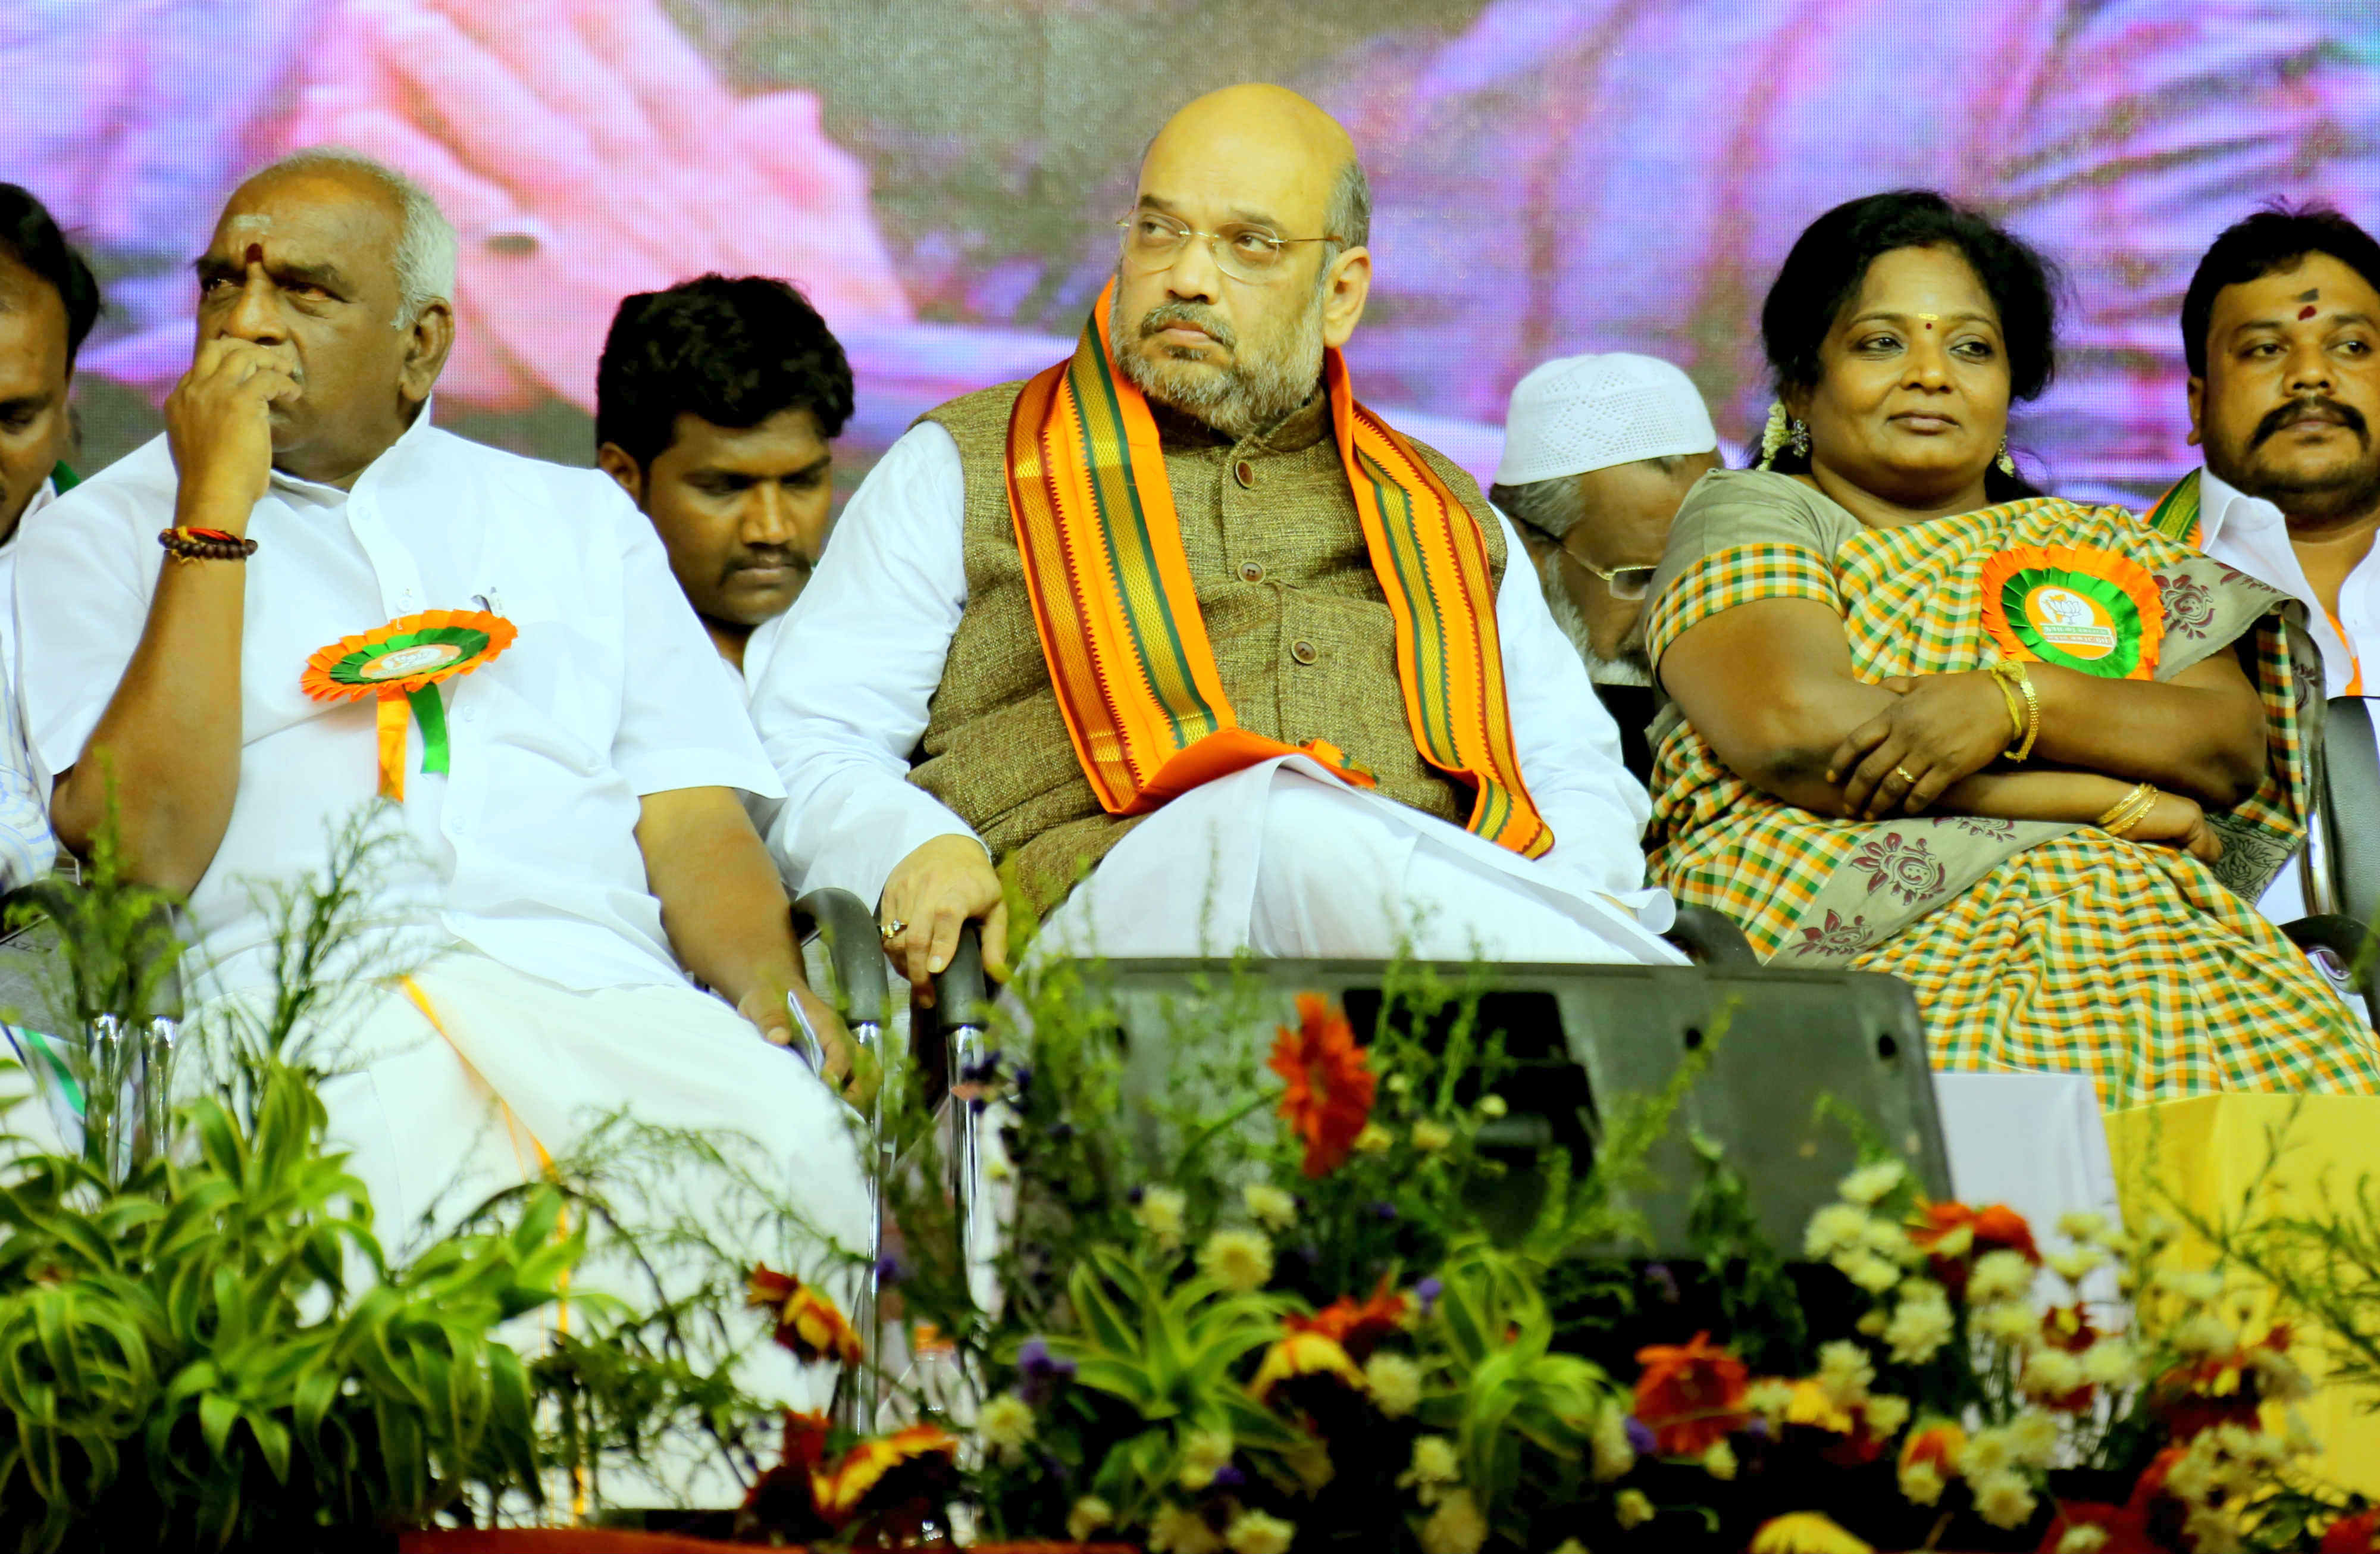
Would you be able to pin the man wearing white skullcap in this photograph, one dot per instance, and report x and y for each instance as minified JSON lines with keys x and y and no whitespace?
{"x":1598,"y":452}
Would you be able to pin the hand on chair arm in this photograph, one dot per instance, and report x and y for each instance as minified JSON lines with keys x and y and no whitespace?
{"x":933,"y":893}
{"x":726,"y":914}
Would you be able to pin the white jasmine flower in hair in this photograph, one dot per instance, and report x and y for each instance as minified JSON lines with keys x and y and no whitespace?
{"x":2009,"y":1321}
{"x":1240,"y":1260}
{"x":1393,"y":1383}
{"x":1205,"y":1454}
{"x":2111,"y":1363}
{"x":2032,"y":1438}
{"x":1090,"y":1513}
{"x":1844,"y":1372}
{"x":1160,"y":1213}
{"x":1834,"y":1229}
{"x":1918,"y":1330}
{"x":1868,"y":1184}
{"x":1179,"y":1530}
{"x":2082,"y":1538}
{"x":2051,"y":1373}
{"x":1270,"y":1207}
{"x":1999,"y":1276}
{"x":2082,"y":1225}
{"x":2004,"y":1499}
{"x":1455,"y":1527}
{"x":1719,"y":1460}
{"x":1614,"y":1455}
{"x":1251,"y":1532}
{"x":1006,"y":1424}
{"x":1885,"y":1414}
{"x":1921,"y":1483}
{"x":2205,"y":1333}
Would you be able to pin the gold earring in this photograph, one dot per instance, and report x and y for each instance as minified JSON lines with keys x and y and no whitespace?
{"x":2005,"y":462}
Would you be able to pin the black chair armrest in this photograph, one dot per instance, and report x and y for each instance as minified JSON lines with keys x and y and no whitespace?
{"x":961,"y":995}
{"x":855,"y":952}
{"x":1710,"y":938}
{"x":2343,"y":936}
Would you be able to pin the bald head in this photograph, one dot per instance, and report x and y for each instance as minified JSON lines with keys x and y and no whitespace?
{"x":1267,"y":150}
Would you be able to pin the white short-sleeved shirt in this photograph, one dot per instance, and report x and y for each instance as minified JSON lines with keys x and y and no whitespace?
{"x":527,"y":850}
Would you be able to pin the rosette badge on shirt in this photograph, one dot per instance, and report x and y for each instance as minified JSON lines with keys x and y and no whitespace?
{"x":2076,"y":605}
{"x":401,"y":663}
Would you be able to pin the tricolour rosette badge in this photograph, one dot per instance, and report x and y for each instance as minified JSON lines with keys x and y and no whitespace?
{"x":2075,"y":606}
{"x":401,"y":663}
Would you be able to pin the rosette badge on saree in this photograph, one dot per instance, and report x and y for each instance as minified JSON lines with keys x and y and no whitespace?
{"x":401,"y":663}
{"x":2075,"y":606}
{"x":1117,"y":610}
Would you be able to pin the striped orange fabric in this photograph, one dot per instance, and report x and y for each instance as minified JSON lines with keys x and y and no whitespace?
{"x":1117,"y":610}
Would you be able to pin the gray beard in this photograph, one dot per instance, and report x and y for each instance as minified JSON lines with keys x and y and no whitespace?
{"x":1628,"y":670}
{"x":1256,"y":393}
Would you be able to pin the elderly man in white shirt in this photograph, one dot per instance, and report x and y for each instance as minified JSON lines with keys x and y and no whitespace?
{"x":2281,"y":326}
{"x":570,"y":804}
{"x":1230,"y":729}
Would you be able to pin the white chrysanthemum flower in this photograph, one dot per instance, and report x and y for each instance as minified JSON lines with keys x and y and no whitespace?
{"x":1455,"y":1527}
{"x":1251,"y":1532}
{"x":1429,"y":1136}
{"x":1918,"y":1331}
{"x":2004,"y":1499}
{"x":1632,"y":1509}
{"x":2192,"y":1479}
{"x":2082,"y":1225}
{"x":2008,"y":1322}
{"x":2205,"y":1333}
{"x":2077,"y":1263}
{"x":1844,"y":1372}
{"x":1393,"y":1383}
{"x":1836,"y":1227}
{"x":1434,"y":1466}
{"x":1161,"y":1212}
{"x":2087,"y":1538}
{"x":2111,"y":1363}
{"x":1719,"y":1460}
{"x":1921,"y":1483}
{"x":1374,"y":1139}
{"x":1870,"y":1272}
{"x":1872,"y":1325}
{"x":1769,"y":1398}
{"x":1005,"y":1423}
{"x":2032,"y":1436}
{"x":1868,"y":1184}
{"x":2050,"y":1372}
{"x":1270,"y":1207}
{"x":1204,"y":1454}
{"x":1240,"y":1260}
{"x":1999,"y":1276}
{"x":2283,"y":1380}
{"x":1090,"y":1513}
{"x":1885,"y":1414}
{"x":1955,"y":1242}
{"x":1888,"y":1240}
{"x":1614,"y":1455}
{"x":2209,"y":1530}
{"x":2253,"y":1448}
{"x":1987,"y":1452}
{"x":1177,"y":1529}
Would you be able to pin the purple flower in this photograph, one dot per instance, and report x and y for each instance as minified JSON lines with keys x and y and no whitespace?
{"x":1227,"y":1478}
{"x":1640,"y":1436}
{"x":1428,"y":1291}
{"x":1385,"y":1209}
{"x":1043,"y":1372}
{"x":889,"y":1269}
{"x":1133,"y":1198}
{"x":1756,"y":1428}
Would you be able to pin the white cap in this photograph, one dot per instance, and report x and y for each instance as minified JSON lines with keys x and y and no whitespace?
{"x":1577,"y":413}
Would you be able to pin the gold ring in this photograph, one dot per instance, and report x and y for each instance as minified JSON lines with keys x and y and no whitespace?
{"x":893,"y":928}
{"x":1903,"y":773}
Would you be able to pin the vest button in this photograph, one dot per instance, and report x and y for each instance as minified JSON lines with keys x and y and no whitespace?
{"x":1303,"y":650}
{"x":1245,"y":473}
{"x":1251,"y":571}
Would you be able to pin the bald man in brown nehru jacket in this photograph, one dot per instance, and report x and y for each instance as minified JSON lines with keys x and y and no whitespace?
{"x":1180,"y":613}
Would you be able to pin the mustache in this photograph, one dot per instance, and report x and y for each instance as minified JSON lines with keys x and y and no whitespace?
{"x":2328,"y":408}
{"x":769,"y":556}
{"x":1167,"y":315}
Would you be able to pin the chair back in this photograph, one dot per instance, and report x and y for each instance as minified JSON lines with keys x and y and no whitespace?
{"x":2351,"y":808}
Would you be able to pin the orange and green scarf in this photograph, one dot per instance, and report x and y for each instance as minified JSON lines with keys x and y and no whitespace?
{"x":1118,"y":613}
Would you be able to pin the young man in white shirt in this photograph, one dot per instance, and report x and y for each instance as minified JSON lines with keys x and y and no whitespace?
{"x":2281,"y":328}
{"x":716,"y":404}
{"x":573,"y":828}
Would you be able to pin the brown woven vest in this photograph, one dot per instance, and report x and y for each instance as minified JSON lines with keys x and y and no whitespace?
{"x":1302,"y":636}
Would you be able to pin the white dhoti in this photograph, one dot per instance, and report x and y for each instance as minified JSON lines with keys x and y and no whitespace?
{"x":1284,"y":860}
{"x":503,"y":1073}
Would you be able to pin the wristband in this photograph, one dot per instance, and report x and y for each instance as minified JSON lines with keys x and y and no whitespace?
{"x":186,"y":545}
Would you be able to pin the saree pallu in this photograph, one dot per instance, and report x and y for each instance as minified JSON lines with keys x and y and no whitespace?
{"x":2031,"y":944}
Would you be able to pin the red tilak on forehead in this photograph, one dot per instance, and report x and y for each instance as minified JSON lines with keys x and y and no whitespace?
{"x":2306,"y":312}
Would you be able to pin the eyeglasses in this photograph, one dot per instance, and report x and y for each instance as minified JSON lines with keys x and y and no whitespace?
{"x":1153,"y":241}
{"x":1626,"y":582}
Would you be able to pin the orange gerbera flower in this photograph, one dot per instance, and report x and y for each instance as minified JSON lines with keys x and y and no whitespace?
{"x":1954,"y":1235}
{"x":808,"y":1322}
{"x":884,"y":1474}
{"x":1938,"y":1446}
{"x":1689,"y":1395}
{"x":1356,"y":1326}
{"x":1331,"y":1082}
{"x":1303,"y":1352}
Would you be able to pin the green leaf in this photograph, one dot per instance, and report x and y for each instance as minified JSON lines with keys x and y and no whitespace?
{"x":217,"y":1414}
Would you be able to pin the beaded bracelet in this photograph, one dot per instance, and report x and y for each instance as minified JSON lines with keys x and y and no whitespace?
{"x":205,"y":544}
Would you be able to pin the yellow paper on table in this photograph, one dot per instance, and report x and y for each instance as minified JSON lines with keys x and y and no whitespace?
{"x":2205,"y":1152}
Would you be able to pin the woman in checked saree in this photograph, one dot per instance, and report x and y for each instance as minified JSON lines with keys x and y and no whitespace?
{"x":2027,"y":755}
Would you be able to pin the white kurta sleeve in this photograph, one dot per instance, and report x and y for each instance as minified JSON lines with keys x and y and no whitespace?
{"x":1569,"y":748}
{"x":846,"y":694}
{"x":84,"y":576}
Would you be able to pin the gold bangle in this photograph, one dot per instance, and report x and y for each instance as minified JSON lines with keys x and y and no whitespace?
{"x":2129,"y":811}
{"x":2012,"y":670}
{"x":2015,"y":711}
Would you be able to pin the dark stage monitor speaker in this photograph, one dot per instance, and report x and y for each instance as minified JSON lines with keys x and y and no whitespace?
{"x":1780,"y":1045}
